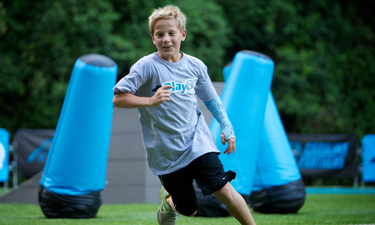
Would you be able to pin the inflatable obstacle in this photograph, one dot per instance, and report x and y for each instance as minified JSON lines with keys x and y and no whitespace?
{"x":244,"y":97}
{"x":4,"y":155}
{"x":265,"y":166}
{"x":368,"y":158}
{"x":277,"y":185}
{"x":74,"y":173}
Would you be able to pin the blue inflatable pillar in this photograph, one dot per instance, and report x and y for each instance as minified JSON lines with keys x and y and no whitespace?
{"x":244,"y":97}
{"x":368,"y":158}
{"x":277,"y":187}
{"x":4,"y":155}
{"x":74,"y":173}
{"x":276,"y":164}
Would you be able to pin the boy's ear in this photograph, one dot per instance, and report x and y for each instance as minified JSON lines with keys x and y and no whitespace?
{"x":183,"y":35}
{"x":152,"y":37}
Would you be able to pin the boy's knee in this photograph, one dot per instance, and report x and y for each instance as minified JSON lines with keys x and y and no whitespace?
{"x":226,"y":193}
{"x":225,"y":190}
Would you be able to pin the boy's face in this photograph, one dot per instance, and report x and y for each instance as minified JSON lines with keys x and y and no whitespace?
{"x":167,"y":37}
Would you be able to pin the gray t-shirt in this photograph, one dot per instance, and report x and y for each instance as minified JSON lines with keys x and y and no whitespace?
{"x":174,"y":133}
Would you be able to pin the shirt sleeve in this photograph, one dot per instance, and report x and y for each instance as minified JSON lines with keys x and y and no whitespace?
{"x":131,"y":82}
{"x":204,"y":88}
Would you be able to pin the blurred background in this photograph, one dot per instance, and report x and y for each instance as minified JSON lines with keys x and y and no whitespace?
{"x":324,"y":54}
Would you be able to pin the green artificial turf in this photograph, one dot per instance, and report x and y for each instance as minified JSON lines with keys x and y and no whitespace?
{"x":318,"y":209}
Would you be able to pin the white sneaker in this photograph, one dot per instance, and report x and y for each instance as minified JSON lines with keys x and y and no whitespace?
{"x":166,"y":215}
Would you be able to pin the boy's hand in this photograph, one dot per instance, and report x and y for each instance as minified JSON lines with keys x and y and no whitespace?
{"x":231,"y":144}
{"x":161,"y":95}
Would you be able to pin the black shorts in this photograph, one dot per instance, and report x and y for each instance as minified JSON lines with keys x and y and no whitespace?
{"x":209,"y":174}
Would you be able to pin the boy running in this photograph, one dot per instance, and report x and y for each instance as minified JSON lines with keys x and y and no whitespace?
{"x":179,"y":145}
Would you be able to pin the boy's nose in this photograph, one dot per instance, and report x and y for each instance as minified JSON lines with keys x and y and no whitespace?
{"x":166,"y":38}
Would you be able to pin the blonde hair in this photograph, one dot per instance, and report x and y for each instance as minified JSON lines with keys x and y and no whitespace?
{"x":167,"y":12}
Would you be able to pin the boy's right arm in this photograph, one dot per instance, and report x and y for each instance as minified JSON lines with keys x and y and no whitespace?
{"x":128,"y":100}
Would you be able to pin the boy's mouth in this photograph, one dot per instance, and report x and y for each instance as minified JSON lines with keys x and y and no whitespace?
{"x":167,"y":47}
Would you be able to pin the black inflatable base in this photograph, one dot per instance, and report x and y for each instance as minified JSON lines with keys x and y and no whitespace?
{"x":284,"y":199}
{"x":67,"y":206}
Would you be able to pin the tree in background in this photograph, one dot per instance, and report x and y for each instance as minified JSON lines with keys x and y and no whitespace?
{"x":324,"y":57}
{"x":323,"y":51}
{"x":38,"y":50}
{"x":41,"y":40}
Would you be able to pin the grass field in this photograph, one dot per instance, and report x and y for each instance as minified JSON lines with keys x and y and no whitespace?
{"x":318,"y":209}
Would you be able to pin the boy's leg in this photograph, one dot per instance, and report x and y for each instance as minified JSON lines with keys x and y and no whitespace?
{"x":184,"y":203}
{"x":181,"y":195}
{"x":211,"y":178}
{"x":170,"y":202}
{"x":235,"y":204}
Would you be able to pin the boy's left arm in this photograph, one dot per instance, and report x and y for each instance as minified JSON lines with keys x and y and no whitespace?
{"x":216,"y":107}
